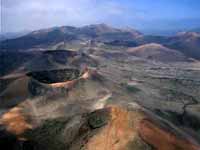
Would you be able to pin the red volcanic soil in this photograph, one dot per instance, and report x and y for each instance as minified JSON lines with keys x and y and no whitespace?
{"x":116,"y":134}
{"x":15,"y":122}
{"x":119,"y":131}
{"x":126,"y":126}
{"x":69,"y":84}
{"x":162,"y":139}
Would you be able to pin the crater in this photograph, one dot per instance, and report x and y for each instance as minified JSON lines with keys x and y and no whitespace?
{"x":55,"y":76}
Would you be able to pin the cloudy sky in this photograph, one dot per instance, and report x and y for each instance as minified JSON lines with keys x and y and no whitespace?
{"x":19,"y":15}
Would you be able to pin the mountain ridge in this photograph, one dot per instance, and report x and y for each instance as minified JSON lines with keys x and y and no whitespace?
{"x":67,"y":37}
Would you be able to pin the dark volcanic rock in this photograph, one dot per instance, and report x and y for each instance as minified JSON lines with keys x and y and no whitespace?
{"x":55,"y":76}
{"x":98,"y":118}
{"x":38,"y":85}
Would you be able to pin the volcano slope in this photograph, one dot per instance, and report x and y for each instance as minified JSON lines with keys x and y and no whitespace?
{"x":89,"y":112}
{"x":89,"y":101}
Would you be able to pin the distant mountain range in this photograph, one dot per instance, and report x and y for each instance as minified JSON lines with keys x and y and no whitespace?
{"x":195,"y":30}
{"x":65,"y":37}
{"x":167,"y":32}
{"x":53,"y":36}
{"x":12,"y":35}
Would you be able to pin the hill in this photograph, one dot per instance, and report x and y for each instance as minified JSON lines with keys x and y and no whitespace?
{"x":62,"y":36}
{"x":187,"y":43}
{"x":157,"y":52}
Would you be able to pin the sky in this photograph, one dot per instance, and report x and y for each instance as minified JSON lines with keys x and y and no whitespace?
{"x":19,"y":15}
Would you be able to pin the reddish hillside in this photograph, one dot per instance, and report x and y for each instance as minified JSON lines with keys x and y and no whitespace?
{"x":157,"y":52}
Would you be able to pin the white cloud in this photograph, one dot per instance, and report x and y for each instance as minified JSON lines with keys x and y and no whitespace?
{"x":34,"y":14}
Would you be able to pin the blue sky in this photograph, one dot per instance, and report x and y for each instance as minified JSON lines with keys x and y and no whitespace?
{"x":18,"y":15}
